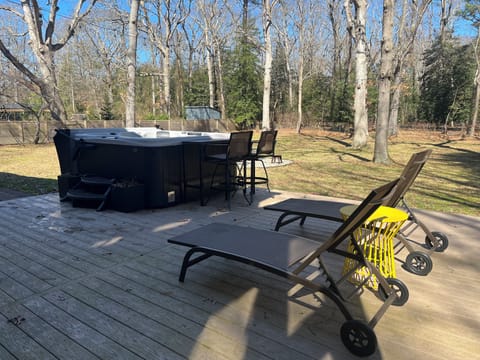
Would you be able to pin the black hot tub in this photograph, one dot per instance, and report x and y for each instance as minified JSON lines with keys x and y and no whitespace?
{"x":162,"y":161}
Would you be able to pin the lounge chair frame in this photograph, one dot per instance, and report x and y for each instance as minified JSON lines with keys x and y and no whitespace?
{"x":417,"y":262}
{"x":292,"y":257}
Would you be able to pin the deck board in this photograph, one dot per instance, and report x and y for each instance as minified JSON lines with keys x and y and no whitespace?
{"x":42,"y":332}
{"x":104,"y":285}
{"x":78,"y":329}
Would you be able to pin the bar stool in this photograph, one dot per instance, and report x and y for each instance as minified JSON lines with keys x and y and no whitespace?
{"x":229,"y":156}
{"x":265,"y":148}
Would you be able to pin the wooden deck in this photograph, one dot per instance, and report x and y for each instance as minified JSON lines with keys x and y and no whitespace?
{"x":80,"y":284}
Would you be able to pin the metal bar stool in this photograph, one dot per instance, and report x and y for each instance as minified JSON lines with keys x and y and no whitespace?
{"x":229,"y":156}
{"x":265,"y":148}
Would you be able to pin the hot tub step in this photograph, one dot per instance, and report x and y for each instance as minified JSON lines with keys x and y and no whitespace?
{"x":82,"y":196}
{"x":97,"y":180}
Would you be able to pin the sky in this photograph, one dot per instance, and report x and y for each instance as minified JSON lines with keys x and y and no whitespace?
{"x":461,"y":27}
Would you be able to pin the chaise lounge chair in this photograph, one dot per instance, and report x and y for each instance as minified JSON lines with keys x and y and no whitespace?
{"x":417,"y":262}
{"x":300,"y":261}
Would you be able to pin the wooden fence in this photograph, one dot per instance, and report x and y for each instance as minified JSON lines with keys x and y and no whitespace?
{"x":24,"y":132}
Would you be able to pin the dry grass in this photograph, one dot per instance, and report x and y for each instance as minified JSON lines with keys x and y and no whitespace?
{"x":32,"y":169}
{"x":323,"y":164}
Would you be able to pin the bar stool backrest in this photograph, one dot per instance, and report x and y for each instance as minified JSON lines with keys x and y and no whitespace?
{"x":266,"y":143}
{"x":240,"y":145}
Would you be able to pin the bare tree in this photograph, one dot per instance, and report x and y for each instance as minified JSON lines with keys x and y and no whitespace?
{"x":446,"y":12}
{"x":192,"y":34}
{"x":106,"y":46}
{"x":268,"y":6}
{"x":471,"y":13}
{"x":334,"y":16}
{"x":131,"y":63}
{"x":219,"y":70}
{"x":384,"y":83}
{"x":216,"y":28}
{"x":161,"y":27}
{"x":45,"y":43}
{"x":208,"y":18}
{"x":356,"y":28}
{"x":306,"y":25}
{"x":410,"y":20}
{"x":476,"y":82}
{"x":287,"y":41}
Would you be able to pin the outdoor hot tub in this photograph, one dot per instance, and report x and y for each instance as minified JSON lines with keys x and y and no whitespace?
{"x":161,"y":161}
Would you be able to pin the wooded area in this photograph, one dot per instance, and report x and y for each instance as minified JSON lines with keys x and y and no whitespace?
{"x":365,"y":64}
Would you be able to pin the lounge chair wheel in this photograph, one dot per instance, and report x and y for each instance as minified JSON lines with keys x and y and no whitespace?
{"x":400,"y":289}
{"x":441,"y":241}
{"x":358,"y":338}
{"x":418,"y":263}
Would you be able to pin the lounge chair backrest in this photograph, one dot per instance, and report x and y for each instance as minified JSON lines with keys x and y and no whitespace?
{"x":408,"y":176}
{"x":379,"y":196}
{"x":266,"y":143}
{"x":240,"y":145}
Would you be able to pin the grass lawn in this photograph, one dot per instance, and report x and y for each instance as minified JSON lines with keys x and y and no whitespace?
{"x":323,"y":164}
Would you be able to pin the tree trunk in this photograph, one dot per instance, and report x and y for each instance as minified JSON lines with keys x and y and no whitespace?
{"x":394,"y":105}
{"x":267,"y":77}
{"x":221,"y":91}
{"x":332,"y":11}
{"x":179,"y":89}
{"x":300,"y":95}
{"x":384,"y":84}
{"x":49,"y":91}
{"x":131,"y":64}
{"x":166,"y":79}
{"x":473,"y":123}
{"x":444,"y":17}
{"x":290,"y":79}
{"x":360,"y":124}
{"x":211,"y":74}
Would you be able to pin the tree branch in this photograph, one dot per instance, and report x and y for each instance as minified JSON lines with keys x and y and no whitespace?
{"x":76,"y":19}
{"x":51,"y":22}
{"x":33,"y":20}
{"x":13,"y":11}
{"x":22,"y":68}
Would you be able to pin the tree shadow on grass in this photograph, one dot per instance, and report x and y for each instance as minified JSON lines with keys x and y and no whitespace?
{"x":27,"y":184}
{"x":340,"y":141}
{"x":467,"y":158}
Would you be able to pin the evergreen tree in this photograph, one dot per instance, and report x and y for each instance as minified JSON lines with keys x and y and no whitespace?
{"x":197,"y":94}
{"x":279,"y":90}
{"x":446,"y":90}
{"x":316,"y":100}
{"x":242,"y":81}
{"x":106,"y":111}
{"x":243,"y":84}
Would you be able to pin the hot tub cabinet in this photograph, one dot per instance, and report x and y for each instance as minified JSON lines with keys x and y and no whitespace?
{"x":157,"y":159}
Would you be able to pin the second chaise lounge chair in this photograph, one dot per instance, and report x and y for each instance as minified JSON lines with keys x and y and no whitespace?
{"x":417,"y":262}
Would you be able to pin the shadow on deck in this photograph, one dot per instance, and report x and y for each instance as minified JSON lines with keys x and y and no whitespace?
{"x":80,"y":284}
